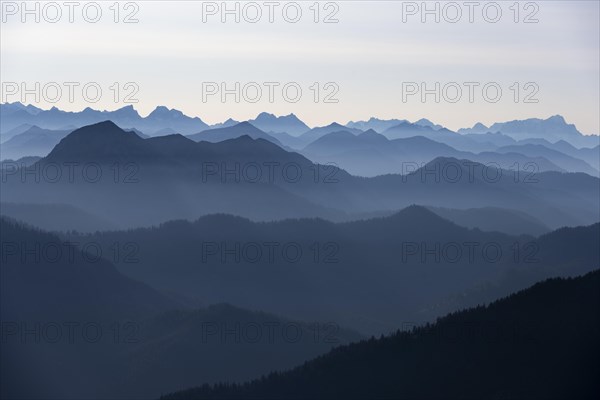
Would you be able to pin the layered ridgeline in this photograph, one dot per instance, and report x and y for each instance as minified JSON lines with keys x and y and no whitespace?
{"x":362,"y":153}
{"x":538,"y":343}
{"x":370,"y":154}
{"x":130,"y":181}
{"x":15,"y":115}
{"x":74,"y":327}
{"x":385,"y":144}
{"x":548,"y":144}
{"x":553,"y":129}
{"x":34,"y":141}
{"x":370,"y":275}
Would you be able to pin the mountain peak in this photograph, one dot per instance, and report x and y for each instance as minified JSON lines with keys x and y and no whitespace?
{"x":164,"y":112}
{"x":427,"y":123}
{"x":104,"y":129}
{"x":107,"y":125}
{"x":557,"y":118}
{"x":419,"y":216}
{"x":369,"y":132}
{"x":127,"y":110}
{"x":95,"y":142}
{"x":244,"y":124}
{"x":33,"y":128}
{"x":286,"y":123}
{"x":265,"y":116}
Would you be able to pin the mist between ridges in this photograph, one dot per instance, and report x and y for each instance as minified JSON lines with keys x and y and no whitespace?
{"x":274,"y":253}
{"x":259,"y":332}
{"x":213,"y":332}
{"x":253,"y":172}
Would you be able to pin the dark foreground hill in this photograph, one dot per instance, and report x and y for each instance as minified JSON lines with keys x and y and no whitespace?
{"x":540,"y":343}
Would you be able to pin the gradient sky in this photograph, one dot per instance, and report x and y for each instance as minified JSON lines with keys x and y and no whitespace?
{"x":368,"y":54}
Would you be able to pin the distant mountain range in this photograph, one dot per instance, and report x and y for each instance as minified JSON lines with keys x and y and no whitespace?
{"x":361,"y":153}
{"x":225,"y":124}
{"x":516,"y":144}
{"x":34,"y":141}
{"x":17,"y":117}
{"x":233,"y":132}
{"x":164,"y":167}
{"x":381,"y":125}
{"x":318,"y":132}
{"x":372,"y":154}
{"x":285,"y":124}
{"x":552,"y":129}
{"x":161,"y":118}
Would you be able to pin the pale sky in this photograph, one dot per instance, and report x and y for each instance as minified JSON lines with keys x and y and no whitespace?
{"x":368,"y":55}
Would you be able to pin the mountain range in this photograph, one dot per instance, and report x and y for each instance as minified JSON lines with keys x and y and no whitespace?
{"x":205,"y":257}
{"x":142,"y":182}
{"x":160,"y":118}
{"x":548,"y":145}
{"x":372,"y":154}
{"x":552,"y":129}
{"x":233,"y":132}
{"x":284,"y":124}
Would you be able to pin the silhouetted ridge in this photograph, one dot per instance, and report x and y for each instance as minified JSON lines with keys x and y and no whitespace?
{"x":415,"y":219}
{"x":231,"y":132}
{"x":537,"y":343}
{"x":105,"y":141}
{"x":418,"y":214}
{"x":96,"y":142}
